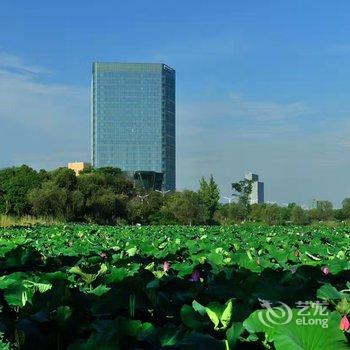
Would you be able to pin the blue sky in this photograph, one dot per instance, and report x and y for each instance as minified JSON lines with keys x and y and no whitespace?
{"x":262,"y":86}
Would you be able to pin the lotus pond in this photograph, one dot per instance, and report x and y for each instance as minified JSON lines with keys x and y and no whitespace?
{"x":248,"y":287}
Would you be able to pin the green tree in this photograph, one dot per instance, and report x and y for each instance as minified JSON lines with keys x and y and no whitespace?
{"x":229,"y":214}
{"x":104,"y":207}
{"x":144,"y":209}
{"x":96,"y":195}
{"x":49,"y":200}
{"x":286,"y":212}
{"x":15,"y":184}
{"x":324,"y":210}
{"x":338,"y":214}
{"x":210,"y":194}
{"x":114,"y":178}
{"x":187,"y":207}
{"x":272,"y":214}
{"x":257,"y":212}
{"x":346,"y":208}
{"x":222,"y":214}
{"x":105,"y":193}
{"x":298,"y":216}
{"x":64,"y":178}
{"x":243,"y":190}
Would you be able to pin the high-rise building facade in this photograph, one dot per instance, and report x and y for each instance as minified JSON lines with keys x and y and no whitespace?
{"x":133,"y":118}
{"x":257,"y":194}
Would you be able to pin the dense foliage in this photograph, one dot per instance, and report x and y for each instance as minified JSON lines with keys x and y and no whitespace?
{"x":101,"y":287}
{"x":107,"y":196}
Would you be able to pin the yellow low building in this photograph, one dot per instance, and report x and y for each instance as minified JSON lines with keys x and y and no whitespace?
{"x":78,"y":167}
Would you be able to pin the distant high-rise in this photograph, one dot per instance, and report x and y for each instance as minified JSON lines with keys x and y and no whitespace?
{"x":133,"y":118}
{"x":257,"y":194}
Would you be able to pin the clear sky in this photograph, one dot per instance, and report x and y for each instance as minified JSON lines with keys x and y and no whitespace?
{"x":262,"y":86}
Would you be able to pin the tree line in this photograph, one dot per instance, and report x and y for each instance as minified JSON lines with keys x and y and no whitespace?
{"x":107,"y":196}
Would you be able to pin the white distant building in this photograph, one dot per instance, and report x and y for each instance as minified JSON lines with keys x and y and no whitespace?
{"x":257,"y":194}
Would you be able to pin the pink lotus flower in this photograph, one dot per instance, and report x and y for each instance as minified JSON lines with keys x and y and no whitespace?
{"x":103,"y":256}
{"x":325,"y":270}
{"x":166,"y":266}
{"x":195,"y":276}
{"x":344,"y":324}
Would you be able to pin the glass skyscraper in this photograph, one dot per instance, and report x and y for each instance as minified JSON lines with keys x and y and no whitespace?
{"x":133,"y":118}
